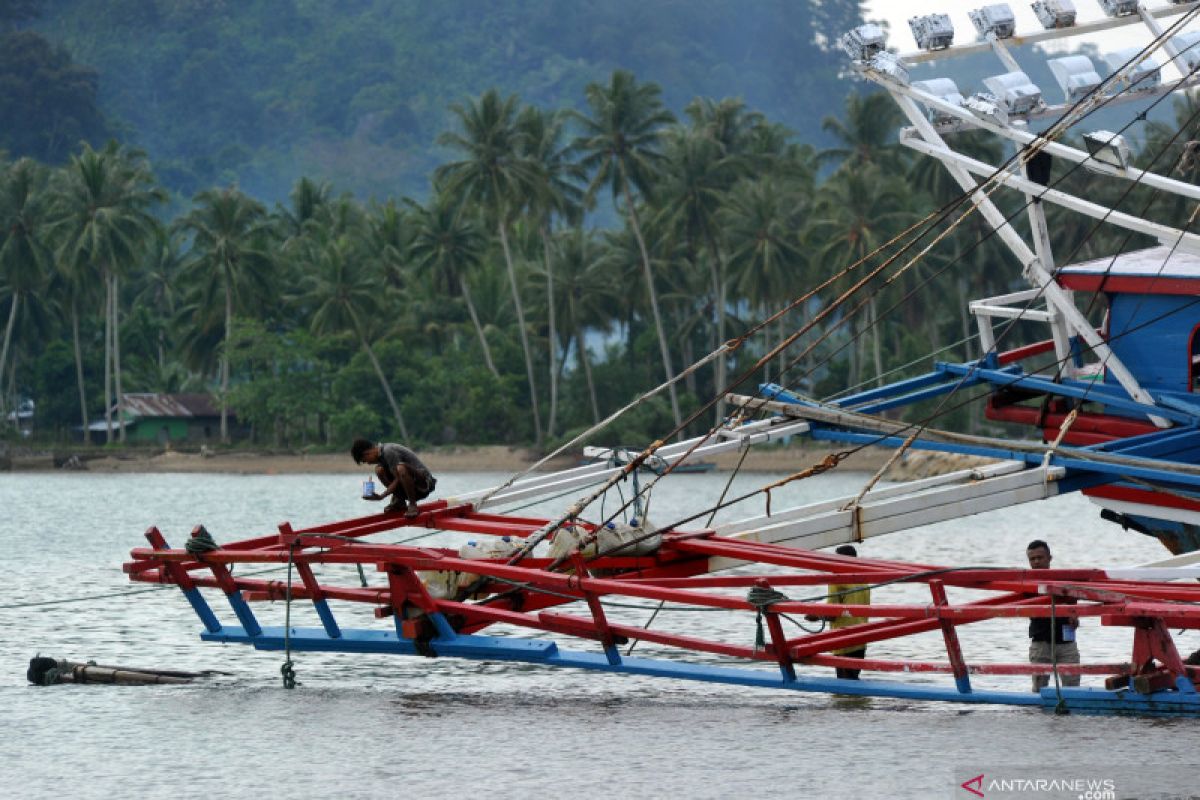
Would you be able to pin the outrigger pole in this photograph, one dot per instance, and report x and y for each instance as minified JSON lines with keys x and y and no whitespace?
{"x":1154,"y":681}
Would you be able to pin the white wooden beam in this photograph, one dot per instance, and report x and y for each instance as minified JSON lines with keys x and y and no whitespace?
{"x":1056,"y":149}
{"x":1164,"y":233}
{"x":877,"y":517}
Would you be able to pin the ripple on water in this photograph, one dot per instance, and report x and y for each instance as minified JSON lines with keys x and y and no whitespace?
{"x":373,"y":726}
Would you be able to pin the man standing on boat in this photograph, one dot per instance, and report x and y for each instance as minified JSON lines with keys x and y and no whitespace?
{"x":856,"y":594}
{"x":399,"y":470}
{"x":1046,"y":646}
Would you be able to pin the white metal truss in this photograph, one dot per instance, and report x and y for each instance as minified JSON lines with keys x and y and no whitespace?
{"x":1061,"y":313}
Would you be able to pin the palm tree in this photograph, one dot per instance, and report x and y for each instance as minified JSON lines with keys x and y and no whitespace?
{"x":854,"y":215}
{"x":446,"y":245}
{"x":307,"y":198}
{"x":23,"y":253}
{"x":341,"y":289}
{"x":228,"y":259}
{"x":159,"y":284}
{"x":728,"y":123}
{"x":761,"y":219}
{"x":390,"y":238}
{"x":494,"y":175}
{"x":556,"y":180}
{"x":586,"y":295}
{"x":698,"y":175}
{"x":868,"y":134}
{"x":103,"y":222}
{"x":621,"y":140}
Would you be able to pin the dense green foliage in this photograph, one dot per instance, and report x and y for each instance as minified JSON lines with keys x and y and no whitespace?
{"x":355,"y":91}
{"x":487,"y":305}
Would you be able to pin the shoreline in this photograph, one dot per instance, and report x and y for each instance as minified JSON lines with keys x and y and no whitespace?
{"x":484,"y":458}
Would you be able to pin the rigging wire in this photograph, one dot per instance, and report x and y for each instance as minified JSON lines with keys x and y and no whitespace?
{"x":1023,"y":154}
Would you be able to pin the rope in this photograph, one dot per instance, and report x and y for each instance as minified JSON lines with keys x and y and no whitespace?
{"x":646,"y":627}
{"x":287,"y":669}
{"x":1187,"y":159}
{"x":762,"y":598}
{"x":829,"y":462}
{"x":200,"y":542}
{"x":1061,"y":707}
{"x":1062,"y":432}
{"x":993,"y":231}
{"x":1025,"y":154}
{"x":728,"y":484}
{"x":901,"y":450}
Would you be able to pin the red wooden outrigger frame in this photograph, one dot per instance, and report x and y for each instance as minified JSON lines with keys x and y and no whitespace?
{"x":1156,"y":680}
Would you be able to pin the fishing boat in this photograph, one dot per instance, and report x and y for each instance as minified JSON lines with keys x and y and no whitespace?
{"x":1110,"y":408}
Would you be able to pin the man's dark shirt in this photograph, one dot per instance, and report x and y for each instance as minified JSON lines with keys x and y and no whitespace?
{"x":1039,"y":629}
{"x":393,"y":455}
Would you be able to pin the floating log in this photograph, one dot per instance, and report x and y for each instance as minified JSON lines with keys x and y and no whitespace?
{"x":45,"y":671}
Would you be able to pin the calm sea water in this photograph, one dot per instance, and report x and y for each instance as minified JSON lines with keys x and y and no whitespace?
{"x":378,"y":726}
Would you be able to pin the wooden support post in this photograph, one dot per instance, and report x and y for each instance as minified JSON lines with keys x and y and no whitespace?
{"x":959,"y":666}
{"x":314,"y":590}
{"x":597,"y":608}
{"x":180,"y":577}
{"x":238,"y":603}
{"x":407,"y":589}
{"x":1152,"y":640}
{"x":779,"y":646}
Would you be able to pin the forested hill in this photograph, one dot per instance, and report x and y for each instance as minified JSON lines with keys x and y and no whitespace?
{"x":355,"y":92}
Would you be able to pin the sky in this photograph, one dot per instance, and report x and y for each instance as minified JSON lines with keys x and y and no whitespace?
{"x":898,"y":12}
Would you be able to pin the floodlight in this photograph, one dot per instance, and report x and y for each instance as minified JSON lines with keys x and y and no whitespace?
{"x":1055,"y":13}
{"x":1076,"y":75}
{"x":1187,"y":44}
{"x":863,"y":42}
{"x":1119,"y":8}
{"x":1108,"y":148}
{"x":932,"y":31}
{"x":1015,"y":92}
{"x":1143,"y":77}
{"x":996,"y":18}
{"x":889,"y":65}
{"x":943,"y":89}
{"x":984,"y":106}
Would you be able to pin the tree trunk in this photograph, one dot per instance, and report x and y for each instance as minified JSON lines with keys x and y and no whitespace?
{"x":719,"y":299}
{"x":83,"y":415}
{"x":553,"y":337}
{"x":689,"y":357}
{"x":587,"y":373}
{"x":225,"y":362}
{"x":8,"y":329}
{"x":512,"y":282}
{"x":116,"y":308}
{"x":12,"y":389}
{"x":856,"y":352}
{"x":387,"y":389}
{"x":108,"y":436}
{"x":653,"y":295}
{"x":876,"y":347}
{"x":487,"y":351}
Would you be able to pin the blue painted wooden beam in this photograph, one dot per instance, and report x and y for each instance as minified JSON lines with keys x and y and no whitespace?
{"x":1111,"y":471}
{"x":1080,"y":391}
{"x":894,"y":395}
{"x":536,"y":651}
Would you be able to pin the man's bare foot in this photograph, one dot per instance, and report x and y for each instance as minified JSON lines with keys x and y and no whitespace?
{"x":412,"y":511}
